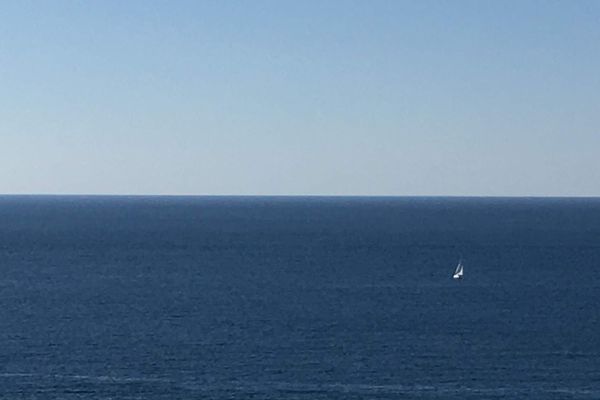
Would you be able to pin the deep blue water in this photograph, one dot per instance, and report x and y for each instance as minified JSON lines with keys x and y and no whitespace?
{"x":298,"y":298}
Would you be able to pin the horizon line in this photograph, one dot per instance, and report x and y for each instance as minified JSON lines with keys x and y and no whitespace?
{"x":479,"y":196}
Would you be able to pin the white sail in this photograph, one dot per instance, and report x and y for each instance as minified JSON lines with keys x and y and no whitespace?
{"x":458,"y":274}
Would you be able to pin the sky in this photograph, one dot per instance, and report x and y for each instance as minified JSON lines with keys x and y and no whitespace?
{"x":282,"y":97}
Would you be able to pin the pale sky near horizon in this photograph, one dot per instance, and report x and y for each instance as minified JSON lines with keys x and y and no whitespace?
{"x":493,"y":98}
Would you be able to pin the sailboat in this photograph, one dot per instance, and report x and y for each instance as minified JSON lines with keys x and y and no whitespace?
{"x":458,"y":274}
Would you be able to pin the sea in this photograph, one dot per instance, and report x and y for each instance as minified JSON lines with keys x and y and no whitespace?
{"x":281,"y":298}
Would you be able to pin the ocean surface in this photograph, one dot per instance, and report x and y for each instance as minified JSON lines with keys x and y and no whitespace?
{"x":299,"y":298}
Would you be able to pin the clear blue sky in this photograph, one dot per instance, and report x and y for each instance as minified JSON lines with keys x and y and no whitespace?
{"x":300,"y":97}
